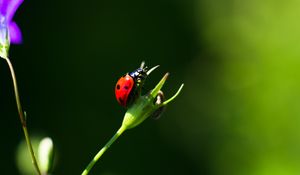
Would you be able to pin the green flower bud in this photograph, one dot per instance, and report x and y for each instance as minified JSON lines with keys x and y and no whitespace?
{"x":45,"y":155}
{"x":145,"y":106}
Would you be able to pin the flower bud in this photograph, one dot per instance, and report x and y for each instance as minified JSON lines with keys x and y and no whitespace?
{"x":45,"y":155}
{"x":147,"y":105}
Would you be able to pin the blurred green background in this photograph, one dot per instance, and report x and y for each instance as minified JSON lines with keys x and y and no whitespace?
{"x":238,"y":113}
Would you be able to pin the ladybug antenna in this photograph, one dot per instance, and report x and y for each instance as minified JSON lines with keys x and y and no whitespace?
{"x":152,"y":69}
{"x":142,"y":65}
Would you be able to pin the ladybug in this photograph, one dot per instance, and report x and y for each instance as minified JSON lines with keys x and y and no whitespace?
{"x":129,"y":85}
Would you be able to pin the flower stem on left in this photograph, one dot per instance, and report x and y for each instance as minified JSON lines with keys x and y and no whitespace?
{"x":22,"y":116}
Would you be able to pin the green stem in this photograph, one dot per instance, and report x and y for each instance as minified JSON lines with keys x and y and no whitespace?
{"x":22,"y":118}
{"x":101,"y":152}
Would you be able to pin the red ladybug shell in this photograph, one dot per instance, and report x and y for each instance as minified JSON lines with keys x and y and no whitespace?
{"x":123,"y":88}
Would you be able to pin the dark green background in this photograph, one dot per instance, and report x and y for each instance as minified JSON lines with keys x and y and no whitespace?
{"x":238,"y":113}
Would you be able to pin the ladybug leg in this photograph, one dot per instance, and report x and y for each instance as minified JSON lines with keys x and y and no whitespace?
{"x":142,"y":65}
{"x":139,"y":86}
{"x":140,"y":79}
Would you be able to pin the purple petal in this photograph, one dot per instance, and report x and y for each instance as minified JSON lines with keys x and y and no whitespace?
{"x":3,"y":6}
{"x":11,"y":8}
{"x":15,"y":34}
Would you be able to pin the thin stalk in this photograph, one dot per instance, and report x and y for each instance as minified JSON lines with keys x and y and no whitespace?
{"x":101,"y":152}
{"x":22,"y":117}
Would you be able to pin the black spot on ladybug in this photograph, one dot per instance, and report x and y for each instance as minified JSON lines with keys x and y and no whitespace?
{"x":126,"y":87}
{"x":118,"y":87}
{"x":121,"y":100}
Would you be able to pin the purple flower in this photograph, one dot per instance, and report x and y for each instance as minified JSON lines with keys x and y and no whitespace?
{"x":9,"y":30}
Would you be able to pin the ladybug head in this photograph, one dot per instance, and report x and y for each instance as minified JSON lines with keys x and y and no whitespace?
{"x":140,"y":73}
{"x":142,"y":70}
